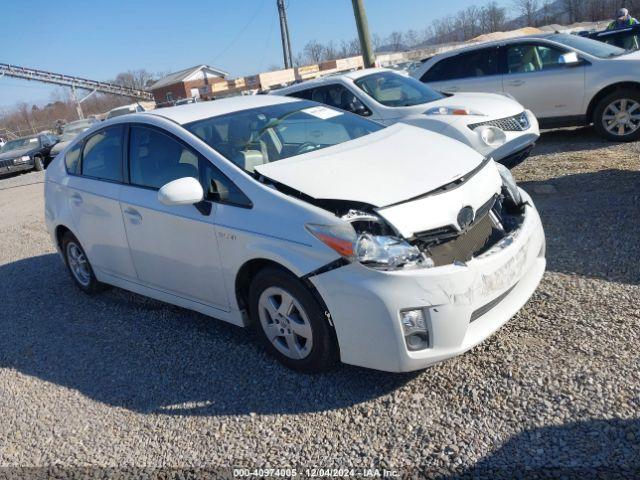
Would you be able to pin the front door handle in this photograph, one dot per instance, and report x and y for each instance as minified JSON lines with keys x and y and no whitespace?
{"x":76,"y":198}
{"x":516,"y":83}
{"x":134,"y":215}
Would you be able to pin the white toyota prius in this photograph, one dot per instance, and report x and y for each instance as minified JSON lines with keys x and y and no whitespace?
{"x":333,"y":237}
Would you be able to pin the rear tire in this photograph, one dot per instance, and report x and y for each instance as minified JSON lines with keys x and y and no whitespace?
{"x":617,"y":116}
{"x":38,"y":164}
{"x":290,"y":322}
{"x":78,"y":265}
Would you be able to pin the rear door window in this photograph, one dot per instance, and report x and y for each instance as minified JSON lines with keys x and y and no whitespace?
{"x":477,"y":63}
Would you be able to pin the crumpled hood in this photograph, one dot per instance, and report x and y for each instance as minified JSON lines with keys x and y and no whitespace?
{"x":389,"y":166}
{"x":16,"y":153}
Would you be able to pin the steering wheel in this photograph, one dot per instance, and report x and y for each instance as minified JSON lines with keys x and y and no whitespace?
{"x":306,"y":147}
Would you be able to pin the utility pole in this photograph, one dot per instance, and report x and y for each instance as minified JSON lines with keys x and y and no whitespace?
{"x":363,"y":33}
{"x":284,"y":32}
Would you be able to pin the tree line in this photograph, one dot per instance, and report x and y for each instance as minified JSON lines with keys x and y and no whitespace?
{"x":471,"y":22}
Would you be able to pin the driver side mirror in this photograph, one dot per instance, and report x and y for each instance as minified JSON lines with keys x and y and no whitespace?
{"x":569,"y":59}
{"x":183,"y":191}
{"x":359,"y":108}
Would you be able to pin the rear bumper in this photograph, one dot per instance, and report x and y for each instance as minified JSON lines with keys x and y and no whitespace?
{"x":462,"y":304}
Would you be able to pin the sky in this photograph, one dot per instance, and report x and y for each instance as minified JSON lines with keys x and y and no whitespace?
{"x":99,"y":39}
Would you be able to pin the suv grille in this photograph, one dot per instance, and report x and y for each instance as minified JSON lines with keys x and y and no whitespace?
{"x":517,"y":123}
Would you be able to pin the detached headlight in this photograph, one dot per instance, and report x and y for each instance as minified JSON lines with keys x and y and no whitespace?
{"x":452,"y":111}
{"x":491,"y":136}
{"x":377,"y":251}
{"x":509,"y":185}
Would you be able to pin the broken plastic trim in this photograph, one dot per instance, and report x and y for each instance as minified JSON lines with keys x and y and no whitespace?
{"x":339,"y":262}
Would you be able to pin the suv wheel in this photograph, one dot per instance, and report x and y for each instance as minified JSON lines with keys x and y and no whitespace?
{"x":79,"y":266}
{"x":290,"y":322}
{"x":617,"y":116}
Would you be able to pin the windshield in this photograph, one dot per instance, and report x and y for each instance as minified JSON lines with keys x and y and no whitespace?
{"x":586,"y":45}
{"x":267,"y":134}
{"x":395,"y":90}
{"x":20,"y":144}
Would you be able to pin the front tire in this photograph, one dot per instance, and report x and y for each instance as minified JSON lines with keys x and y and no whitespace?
{"x":38,"y":164}
{"x":78,"y":265}
{"x":290,"y":322}
{"x":617,"y":116}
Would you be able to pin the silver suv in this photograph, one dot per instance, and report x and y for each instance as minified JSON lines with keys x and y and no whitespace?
{"x":566,"y":80}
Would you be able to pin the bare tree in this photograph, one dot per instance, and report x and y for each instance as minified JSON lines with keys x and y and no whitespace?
{"x":395,"y":41}
{"x":313,"y":52}
{"x":528,"y":10}
{"x":138,"y":79}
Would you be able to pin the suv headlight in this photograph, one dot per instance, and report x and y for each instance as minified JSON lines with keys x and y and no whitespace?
{"x":453,"y":111}
{"x":376,"y":251}
{"x":509,"y":185}
{"x":22,"y":159}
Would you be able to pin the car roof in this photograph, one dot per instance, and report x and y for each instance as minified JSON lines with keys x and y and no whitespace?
{"x":493,"y":43}
{"x":193,"y":112}
{"x":354,"y":75}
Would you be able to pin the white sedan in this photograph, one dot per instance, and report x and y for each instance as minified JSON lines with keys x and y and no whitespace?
{"x":335,"y":238}
{"x":495,"y":125}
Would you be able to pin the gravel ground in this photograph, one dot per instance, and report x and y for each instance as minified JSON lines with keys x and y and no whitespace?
{"x":117,"y":380}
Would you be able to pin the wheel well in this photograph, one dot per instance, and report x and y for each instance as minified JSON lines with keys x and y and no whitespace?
{"x":60,"y":231}
{"x":606,"y":91}
{"x":250,"y":269}
{"x":246,"y":273}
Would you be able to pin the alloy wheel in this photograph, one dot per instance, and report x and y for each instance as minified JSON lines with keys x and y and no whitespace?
{"x":78,"y":264}
{"x":621,"y":117}
{"x":285,"y":323}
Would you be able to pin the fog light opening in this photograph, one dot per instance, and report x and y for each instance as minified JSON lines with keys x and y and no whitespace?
{"x":414,"y":327}
{"x":417,"y":341}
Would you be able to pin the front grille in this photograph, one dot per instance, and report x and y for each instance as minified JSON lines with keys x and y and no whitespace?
{"x":486,"y":308}
{"x":445,"y":245}
{"x":6,"y":163}
{"x":465,"y":245}
{"x":517,"y":123}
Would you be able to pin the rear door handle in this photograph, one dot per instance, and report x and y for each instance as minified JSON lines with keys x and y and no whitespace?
{"x":516,"y":83}
{"x":134,"y":215}
{"x":76,"y":198}
{"x":452,"y":88}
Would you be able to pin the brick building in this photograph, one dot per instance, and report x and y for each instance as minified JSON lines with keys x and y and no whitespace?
{"x":191,"y":82}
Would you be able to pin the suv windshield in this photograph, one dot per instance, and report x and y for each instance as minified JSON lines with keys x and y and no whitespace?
{"x":592,"y":47}
{"x":21,"y":143}
{"x":250,"y":138}
{"x":395,"y":90}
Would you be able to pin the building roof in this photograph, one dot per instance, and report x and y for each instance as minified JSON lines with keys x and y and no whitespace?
{"x":182,"y":75}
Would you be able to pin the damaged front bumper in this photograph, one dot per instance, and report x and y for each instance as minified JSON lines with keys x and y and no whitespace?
{"x":463,"y":304}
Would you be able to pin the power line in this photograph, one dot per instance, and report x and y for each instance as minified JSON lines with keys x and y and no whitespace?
{"x":235,"y":39}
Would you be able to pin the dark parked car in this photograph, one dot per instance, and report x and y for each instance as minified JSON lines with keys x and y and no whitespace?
{"x":27,"y":153}
{"x":627,"y":38}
